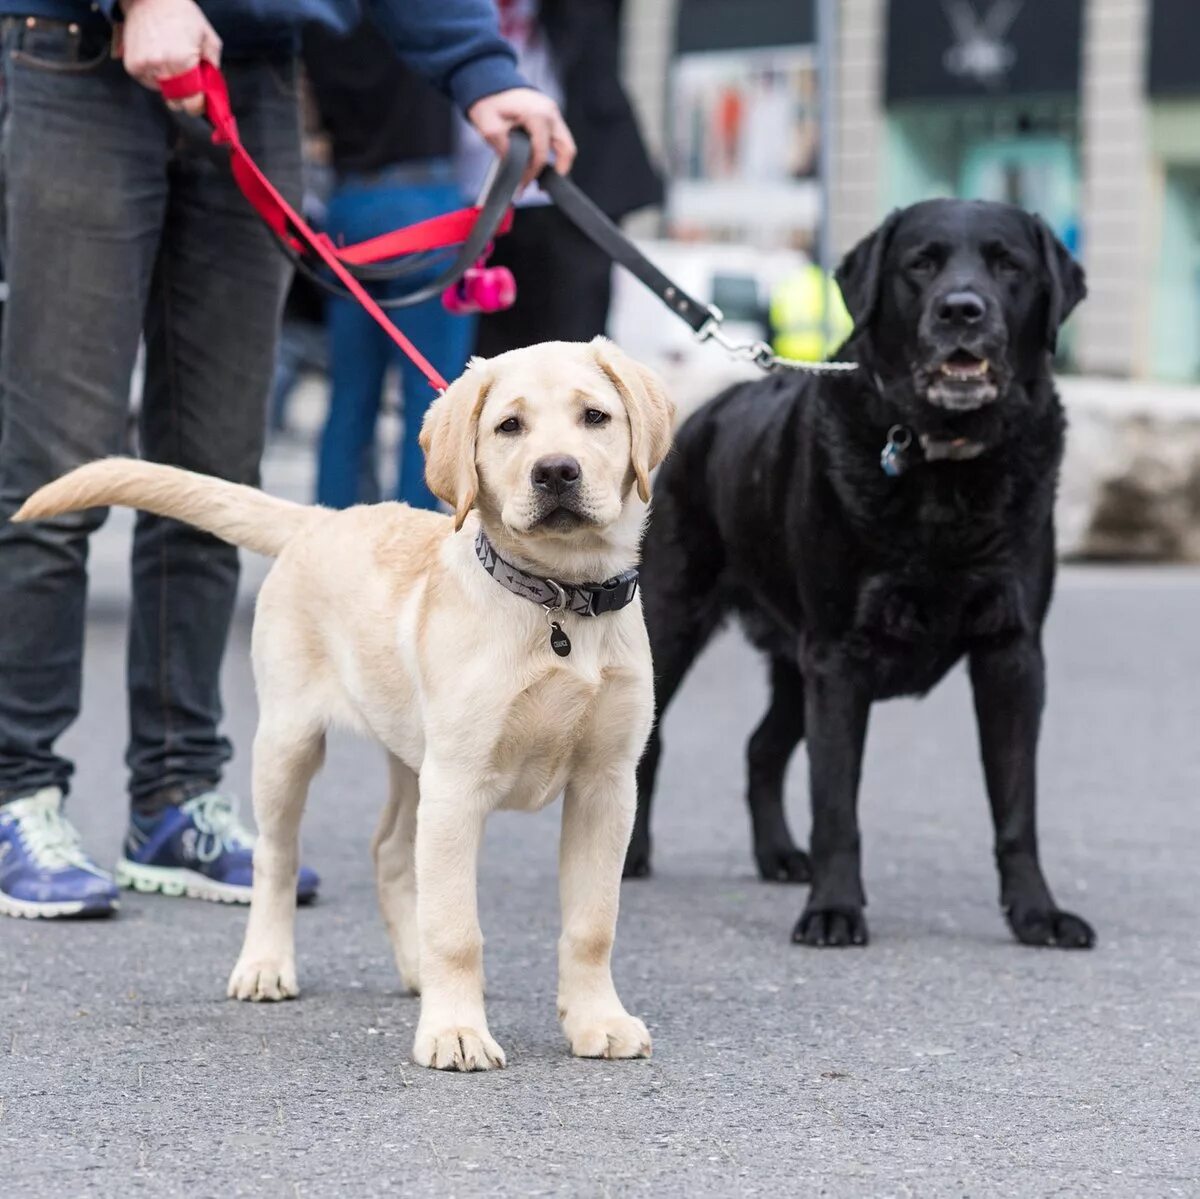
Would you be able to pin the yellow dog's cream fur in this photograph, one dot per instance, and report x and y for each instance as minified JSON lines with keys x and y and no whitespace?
{"x":381,"y":619}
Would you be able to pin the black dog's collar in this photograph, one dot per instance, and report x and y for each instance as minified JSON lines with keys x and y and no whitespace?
{"x":895,"y":456}
{"x":583,"y":599}
{"x":896,"y":453}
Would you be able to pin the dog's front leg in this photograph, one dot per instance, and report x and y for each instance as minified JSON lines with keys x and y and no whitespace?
{"x":598,"y":813}
{"x":452,"y":1033}
{"x":1009,"y":684}
{"x":837,"y":701}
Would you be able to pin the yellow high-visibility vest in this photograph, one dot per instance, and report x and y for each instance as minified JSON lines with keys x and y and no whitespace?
{"x":797,"y":311}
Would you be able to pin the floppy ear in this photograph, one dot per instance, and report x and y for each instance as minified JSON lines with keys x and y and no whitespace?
{"x":1065,"y":281}
{"x":448,"y":437}
{"x":859,"y":273}
{"x":650,"y":410}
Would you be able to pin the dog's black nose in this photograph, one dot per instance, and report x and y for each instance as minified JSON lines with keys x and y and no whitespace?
{"x":961,"y":308}
{"x":555,"y":474}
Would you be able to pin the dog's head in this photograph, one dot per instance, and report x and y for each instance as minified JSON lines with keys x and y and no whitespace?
{"x":552,"y":443}
{"x":953,"y":300}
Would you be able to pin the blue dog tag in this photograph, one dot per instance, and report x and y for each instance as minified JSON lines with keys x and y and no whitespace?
{"x":891,"y":458}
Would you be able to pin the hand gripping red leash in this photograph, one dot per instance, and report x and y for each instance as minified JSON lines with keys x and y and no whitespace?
{"x":291,"y":228}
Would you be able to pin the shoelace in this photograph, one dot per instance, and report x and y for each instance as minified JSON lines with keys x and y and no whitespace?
{"x":216,"y":816}
{"x":51,"y":840}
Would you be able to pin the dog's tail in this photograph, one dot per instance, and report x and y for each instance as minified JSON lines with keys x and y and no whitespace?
{"x":241,"y":515}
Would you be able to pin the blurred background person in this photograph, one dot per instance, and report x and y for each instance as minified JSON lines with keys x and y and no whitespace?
{"x":570,"y":50}
{"x":390,"y":137}
{"x":799,"y":328}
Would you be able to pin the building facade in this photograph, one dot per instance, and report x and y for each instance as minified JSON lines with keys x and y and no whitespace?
{"x":1087,"y":111}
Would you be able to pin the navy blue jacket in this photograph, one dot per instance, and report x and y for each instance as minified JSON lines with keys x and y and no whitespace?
{"x":454,"y":43}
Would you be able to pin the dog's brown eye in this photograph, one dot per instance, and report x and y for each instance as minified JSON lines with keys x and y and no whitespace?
{"x":512,"y":425}
{"x":594,"y":416}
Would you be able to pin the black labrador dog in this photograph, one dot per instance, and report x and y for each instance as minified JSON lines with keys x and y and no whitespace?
{"x":871,"y":529}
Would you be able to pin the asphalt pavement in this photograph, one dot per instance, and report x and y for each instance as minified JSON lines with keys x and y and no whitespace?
{"x":942,"y":1060}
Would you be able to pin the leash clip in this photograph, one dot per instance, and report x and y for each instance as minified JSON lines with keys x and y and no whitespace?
{"x":761,"y":354}
{"x":757,"y":352}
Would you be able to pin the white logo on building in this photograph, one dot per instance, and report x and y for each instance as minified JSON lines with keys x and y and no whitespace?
{"x":980,"y":51}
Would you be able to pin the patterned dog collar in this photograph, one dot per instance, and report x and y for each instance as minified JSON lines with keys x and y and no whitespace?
{"x":583,"y":599}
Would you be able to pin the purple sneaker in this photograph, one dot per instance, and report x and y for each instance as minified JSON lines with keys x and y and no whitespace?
{"x":44,"y":872}
{"x":199,"y":849}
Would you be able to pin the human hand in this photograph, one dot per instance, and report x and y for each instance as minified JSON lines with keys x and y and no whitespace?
{"x":530,"y":110}
{"x":162,"y":38}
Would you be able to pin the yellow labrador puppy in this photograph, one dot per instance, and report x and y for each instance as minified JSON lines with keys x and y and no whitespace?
{"x":500,"y":657}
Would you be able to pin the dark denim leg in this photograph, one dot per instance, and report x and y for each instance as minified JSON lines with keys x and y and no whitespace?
{"x":211,"y":332}
{"x":83,"y":163}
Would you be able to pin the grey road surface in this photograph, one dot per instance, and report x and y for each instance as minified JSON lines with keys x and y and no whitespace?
{"x":943,"y":1060}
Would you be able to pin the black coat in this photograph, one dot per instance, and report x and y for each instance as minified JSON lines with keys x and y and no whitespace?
{"x":613,"y":167}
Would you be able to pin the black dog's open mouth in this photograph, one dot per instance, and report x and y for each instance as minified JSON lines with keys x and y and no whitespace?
{"x":961,"y":381}
{"x":963,"y":366}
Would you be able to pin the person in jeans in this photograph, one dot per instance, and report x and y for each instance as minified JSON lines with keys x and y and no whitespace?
{"x":390,"y":138}
{"x":114,"y":228}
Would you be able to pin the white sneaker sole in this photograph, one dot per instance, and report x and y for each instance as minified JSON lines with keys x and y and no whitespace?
{"x":28,"y":910}
{"x":177,"y":881}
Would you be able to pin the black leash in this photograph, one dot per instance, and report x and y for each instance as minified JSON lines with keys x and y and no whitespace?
{"x":705,"y":320}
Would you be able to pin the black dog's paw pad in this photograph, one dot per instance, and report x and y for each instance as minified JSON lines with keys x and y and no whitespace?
{"x":784,"y":866}
{"x":1051,"y":928}
{"x":831,"y":928}
{"x":637,"y":863}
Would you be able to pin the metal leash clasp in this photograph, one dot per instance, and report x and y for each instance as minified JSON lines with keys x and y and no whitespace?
{"x":757,"y":352}
{"x":761,"y":354}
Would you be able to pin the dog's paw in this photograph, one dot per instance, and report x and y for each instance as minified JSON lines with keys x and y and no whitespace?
{"x":1050,"y":927}
{"x":637,"y":860}
{"x":263,"y":980}
{"x":831,"y":927}
{"x":409,"y":968}
{"x":457,"y":1049}
{"x":783,"y":864}
{"x":620,"y":1036}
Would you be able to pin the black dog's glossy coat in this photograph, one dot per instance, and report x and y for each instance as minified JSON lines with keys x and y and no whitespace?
{"x":858,"y":586}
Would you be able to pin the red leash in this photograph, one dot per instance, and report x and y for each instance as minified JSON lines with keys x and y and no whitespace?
{"x":287,"y":224}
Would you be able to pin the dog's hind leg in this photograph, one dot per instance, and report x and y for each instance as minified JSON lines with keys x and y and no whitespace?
{"x":682,"y":610}
{"x":285,"y":759}
{"x":393,"y":849}
{"x":767,"y":756}
{"x":676,"y":641}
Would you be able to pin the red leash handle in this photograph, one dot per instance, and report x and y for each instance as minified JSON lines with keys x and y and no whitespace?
{"x":206,"y":80}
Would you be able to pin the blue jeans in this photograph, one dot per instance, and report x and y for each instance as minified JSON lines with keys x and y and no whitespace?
{"x":360,"y":352}
{"x":114,"y":229}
